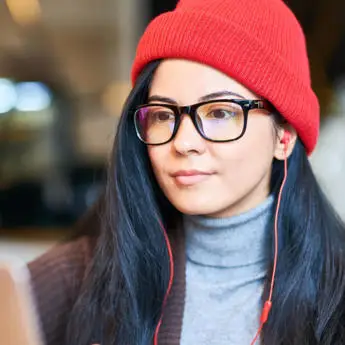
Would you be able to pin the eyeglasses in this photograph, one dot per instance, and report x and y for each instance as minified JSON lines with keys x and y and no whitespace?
{"x":220,"y":120}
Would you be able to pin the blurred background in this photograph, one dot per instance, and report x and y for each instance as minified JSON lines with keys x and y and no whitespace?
{"x":64,"y":75}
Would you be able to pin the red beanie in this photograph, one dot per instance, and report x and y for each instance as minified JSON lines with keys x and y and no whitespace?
{"x":257,"y":42}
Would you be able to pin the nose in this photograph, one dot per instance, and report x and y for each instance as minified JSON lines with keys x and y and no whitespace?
{"x":187,"y":140}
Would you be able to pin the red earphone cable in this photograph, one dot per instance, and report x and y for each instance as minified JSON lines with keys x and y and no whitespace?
{"x":257,"y":334}
{"x":171,"y":279}
{"x":268,"y":304}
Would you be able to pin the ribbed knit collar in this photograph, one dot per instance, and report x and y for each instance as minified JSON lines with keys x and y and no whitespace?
{"x":233,"y":242}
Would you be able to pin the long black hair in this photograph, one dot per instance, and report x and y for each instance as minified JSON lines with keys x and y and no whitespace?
{"x":122,"y":297}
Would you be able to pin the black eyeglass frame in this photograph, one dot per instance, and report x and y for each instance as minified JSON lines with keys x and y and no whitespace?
{"x":191,"y":110}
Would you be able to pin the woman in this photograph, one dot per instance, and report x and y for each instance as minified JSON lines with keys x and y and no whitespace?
{"x":211,"y":212}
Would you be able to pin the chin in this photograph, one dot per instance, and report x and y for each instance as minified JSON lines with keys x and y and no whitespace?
{"x":212,"y":206}
{"x":194,"y":209}
{"x":203,"y":202}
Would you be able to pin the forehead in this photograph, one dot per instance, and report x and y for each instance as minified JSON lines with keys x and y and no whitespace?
{"x":186,"y":81}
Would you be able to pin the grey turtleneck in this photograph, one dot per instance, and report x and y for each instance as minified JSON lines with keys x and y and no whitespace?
{"x":225,"y":271}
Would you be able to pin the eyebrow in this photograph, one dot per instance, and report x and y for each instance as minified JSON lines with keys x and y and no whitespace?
{"x":207,"y":97}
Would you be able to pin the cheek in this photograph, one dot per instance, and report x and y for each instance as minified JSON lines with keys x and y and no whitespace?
{"x":157,"y":155}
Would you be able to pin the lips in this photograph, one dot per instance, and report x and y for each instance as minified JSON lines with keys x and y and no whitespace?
{"x":190,"y":177}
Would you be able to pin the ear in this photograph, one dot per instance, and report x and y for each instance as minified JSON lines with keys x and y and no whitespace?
{"x":282,"y":148}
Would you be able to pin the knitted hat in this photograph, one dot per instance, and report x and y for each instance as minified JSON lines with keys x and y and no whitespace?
{"x":257,"y":42}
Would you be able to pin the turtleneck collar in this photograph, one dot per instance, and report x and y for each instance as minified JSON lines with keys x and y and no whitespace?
{"x":234,"y":242}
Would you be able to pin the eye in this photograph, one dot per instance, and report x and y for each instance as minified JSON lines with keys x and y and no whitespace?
{"x":221,"y":114}
{"x":156,"y":114}
{"x":162,"y":116}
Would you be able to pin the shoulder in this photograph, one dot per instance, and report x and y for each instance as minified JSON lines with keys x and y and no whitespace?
{"x":64,"y":263}
{"x":56,"y":278}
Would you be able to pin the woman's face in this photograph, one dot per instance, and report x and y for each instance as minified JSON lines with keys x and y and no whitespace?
{"x":227,"y":178}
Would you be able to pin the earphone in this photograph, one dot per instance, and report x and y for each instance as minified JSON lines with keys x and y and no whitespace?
{"x":268,"y":303}
{"x":286,"y":138}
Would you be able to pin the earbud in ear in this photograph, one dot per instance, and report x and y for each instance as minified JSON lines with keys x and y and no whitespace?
{"x":286,"y":137}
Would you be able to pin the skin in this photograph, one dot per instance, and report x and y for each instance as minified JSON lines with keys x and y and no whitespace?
{"x":239,"y":171}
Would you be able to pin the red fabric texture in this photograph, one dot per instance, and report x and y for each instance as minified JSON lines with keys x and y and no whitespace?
{"x":259,"y":43}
